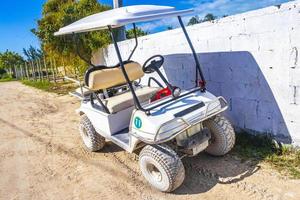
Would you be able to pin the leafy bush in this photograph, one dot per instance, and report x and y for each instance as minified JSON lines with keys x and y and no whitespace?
{"x":6,"y":77}
{"x":2,"y":72}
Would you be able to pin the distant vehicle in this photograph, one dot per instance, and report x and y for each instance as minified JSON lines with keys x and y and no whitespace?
{"x":166,"y":122}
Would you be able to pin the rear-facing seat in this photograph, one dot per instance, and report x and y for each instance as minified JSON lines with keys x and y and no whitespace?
{"x":125,"y":100}
{"x":110,"y":77}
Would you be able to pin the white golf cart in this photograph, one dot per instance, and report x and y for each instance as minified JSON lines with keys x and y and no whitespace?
{"x":162,"y":120}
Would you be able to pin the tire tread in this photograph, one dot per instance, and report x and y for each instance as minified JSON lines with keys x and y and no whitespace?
{"x":169,"y":161}
{"x":96,"y":140}
{"x":223,"y":132}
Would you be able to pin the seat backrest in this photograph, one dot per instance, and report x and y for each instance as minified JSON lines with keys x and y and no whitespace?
{"x":109,"y":77}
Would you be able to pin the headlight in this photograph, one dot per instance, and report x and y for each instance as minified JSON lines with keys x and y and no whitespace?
{"x":169,"y":129}
{"x":176,"y":92}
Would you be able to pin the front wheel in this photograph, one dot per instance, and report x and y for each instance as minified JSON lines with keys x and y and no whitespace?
{"x":161,"y":167}
{"x":92,"y":140}
{"x":222,"y":135}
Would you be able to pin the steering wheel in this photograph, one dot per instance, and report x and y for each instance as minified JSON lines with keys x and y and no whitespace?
{"x":156,"y":62}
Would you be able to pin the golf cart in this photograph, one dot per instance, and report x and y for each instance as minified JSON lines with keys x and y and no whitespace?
{"x":165,"y":122}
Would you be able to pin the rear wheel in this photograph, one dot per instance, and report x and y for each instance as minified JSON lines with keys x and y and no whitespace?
{"x":92,"y":140}
{"x":223,"y":135}
{"x":161,"y":167}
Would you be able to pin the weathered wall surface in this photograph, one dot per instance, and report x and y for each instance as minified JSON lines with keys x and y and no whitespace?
{"x":252,"y":59}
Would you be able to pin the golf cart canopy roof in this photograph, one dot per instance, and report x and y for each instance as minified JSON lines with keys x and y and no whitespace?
{"x":120,"y":17}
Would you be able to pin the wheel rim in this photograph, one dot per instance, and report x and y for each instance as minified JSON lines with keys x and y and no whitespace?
{"x":85,"y":132}
{"x":154,"y":172}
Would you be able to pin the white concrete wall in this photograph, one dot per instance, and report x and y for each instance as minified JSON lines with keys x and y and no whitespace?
{"x":252,"y":59}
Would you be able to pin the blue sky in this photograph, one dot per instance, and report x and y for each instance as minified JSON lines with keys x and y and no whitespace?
{"x":18,"y":17}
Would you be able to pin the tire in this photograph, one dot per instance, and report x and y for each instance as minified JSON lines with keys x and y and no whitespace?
{"x":161,"y":167}
{"x":93,"y":141}
{"x":222,"y":135}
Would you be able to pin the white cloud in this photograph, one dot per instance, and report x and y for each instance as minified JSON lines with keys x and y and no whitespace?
{"x":159,"y":24}
{"x":216,"y":7}
{"x":229,"y":7}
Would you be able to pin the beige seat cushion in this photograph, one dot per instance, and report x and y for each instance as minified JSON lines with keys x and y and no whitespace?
{"x":106,"y":78}
{"x":125,"y":100}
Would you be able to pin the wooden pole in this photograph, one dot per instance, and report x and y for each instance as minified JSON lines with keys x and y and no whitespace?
{"x":30,"y":69}
{"x":56,"y":69}
{"x":33,"y":70}
{"x":65,"y":73}
{"x":26,"y":70}
{"x":36,"y":73}
{"x":53,"y":72}
{"x":45,"y":66}
{"x":16,"y":72}
{"x":41,"y":68}
{"x":22,"y":73}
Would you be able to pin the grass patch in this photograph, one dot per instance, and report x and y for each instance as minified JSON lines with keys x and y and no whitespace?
{"x":58,"y":88}
{"x":7,"y":79}
{"x":285,"y":159}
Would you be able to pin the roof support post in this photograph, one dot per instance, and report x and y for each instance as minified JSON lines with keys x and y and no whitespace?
{"x":198,"y":67}
{"x":136,"y":42}
{"x":135,"y":99}
{"x":121,"y":35}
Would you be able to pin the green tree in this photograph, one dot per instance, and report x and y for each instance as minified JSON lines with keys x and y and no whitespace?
{"x":194,"y":20}
{"x":139,"y":32}
{"x":169,"y":27}
{"x":32,"y":53}
{"x":9,"y":60}
{"x":59,"y":13}
{"x":209,"y":17}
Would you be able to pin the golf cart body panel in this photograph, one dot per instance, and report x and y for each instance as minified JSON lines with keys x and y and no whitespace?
{"x":114,"y":127}
{"x":121,"y":16}
{"x":175,"y":117}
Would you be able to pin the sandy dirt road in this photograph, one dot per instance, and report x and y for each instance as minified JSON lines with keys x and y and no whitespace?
{"x":42,"y":157}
